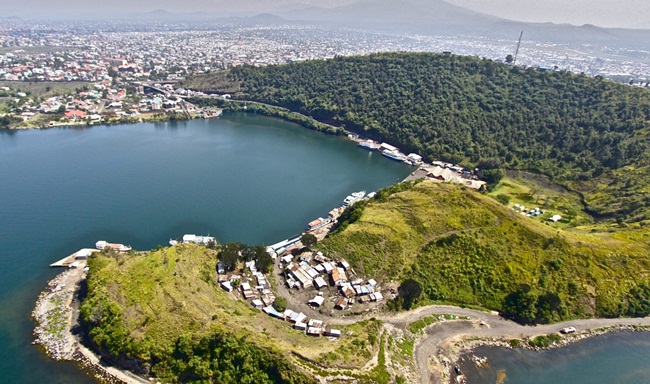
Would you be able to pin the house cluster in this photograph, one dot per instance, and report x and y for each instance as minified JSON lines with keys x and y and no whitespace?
{"x":52,"y":66}
{"x":256,"y":290}
{"x":314,"y":270}
{"x":450,"y":173}
{"x":302,"y":322}
{"x":98,"y":103}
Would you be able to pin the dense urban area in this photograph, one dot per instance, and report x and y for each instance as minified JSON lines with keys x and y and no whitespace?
{"x":101,"y":69}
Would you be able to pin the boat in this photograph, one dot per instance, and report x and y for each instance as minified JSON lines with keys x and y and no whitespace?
{"x":369,"y":144}
{"x":393,"y":155}
{"x":353,"y":198}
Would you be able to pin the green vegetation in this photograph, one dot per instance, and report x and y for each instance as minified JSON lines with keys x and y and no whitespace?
{"x":532,"y":191}
{"x":466,"y":248}
{"x":589,"y":134}
{"x":544,"y":341}
{"x":409,"y":292}
{"x":162,"y":314}
{"x":418,"y":325}
{"x":308,"y":240}
{"x":363,"y":343}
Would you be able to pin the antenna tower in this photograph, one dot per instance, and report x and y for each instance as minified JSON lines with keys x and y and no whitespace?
{"x":514,"y":61}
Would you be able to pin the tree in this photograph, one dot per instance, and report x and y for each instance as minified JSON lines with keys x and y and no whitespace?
{"x":410,"y":290}
{"x":229,"y":255}
{"x":509,"y":59}
{"x":248,"y":252}
{"x":491,"y":170}
{"x":263,"y":261}
{"x":280,"y":304}
{"x":308,"y":240}
{"x":503,"y":199}
{"x":520,"y":305}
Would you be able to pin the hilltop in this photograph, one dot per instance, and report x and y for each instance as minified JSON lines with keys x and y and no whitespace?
{"x":466,"y":248}
{"x":587,"y":134}
{"x":162,"y":314}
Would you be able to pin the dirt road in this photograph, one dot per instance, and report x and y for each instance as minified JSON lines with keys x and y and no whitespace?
{"x":441,"y":337}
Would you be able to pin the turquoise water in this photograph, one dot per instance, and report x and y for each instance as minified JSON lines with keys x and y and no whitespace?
{"x":621,"y":358}
{"x":240,"y":178}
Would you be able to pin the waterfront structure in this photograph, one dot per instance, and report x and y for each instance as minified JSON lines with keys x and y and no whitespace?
{"x":101,"y":244}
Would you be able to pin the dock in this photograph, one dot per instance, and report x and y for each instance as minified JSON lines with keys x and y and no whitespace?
{"x":79,"y":257}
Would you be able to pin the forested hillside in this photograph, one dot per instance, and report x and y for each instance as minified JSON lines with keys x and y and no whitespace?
{"x":581,"y":131}
{"x":466,"y":248}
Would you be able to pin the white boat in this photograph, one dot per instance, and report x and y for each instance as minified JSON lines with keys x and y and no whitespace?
{"x":354,"y":197}
{"x":393,"y":155}
{"x":369,"y":144}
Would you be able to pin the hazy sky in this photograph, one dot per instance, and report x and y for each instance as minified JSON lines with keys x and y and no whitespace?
{"x":606,"y":13}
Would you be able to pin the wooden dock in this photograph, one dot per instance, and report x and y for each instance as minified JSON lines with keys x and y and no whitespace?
{"x":80,"y":256}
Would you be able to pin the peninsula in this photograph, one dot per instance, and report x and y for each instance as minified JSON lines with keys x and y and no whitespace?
{"x":142,"y":308}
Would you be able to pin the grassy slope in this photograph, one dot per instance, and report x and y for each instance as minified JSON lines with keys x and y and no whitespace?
{"x":467,"y":248}
{"x":170,"y":292}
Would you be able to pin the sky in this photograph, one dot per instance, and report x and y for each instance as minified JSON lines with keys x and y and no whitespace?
{"x":604,"y":13}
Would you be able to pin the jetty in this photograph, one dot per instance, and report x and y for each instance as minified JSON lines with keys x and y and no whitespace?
{"x":74,"y":260}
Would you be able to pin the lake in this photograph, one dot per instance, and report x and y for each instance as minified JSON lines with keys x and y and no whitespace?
{"x":242,"y":178}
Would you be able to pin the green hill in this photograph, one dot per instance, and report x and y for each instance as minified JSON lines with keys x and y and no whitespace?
{"x":588,"y":134}
{"x":161,"y":314}
{"x":466,"y":248}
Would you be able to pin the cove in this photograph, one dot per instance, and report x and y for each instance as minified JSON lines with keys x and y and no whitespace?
{"x":616,"y":357}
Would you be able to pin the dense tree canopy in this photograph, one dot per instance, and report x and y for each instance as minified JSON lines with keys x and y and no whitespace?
{"x":464,"y":109}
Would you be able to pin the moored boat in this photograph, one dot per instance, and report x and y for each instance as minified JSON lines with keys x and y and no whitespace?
{"x":354,"y":197}
{"x":393,"y":155}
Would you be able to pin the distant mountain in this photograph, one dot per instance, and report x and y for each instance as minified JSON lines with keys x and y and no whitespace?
{"x":403,"y":15}
{"x":441,"y":18}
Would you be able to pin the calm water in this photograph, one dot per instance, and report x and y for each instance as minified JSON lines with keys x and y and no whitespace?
{"x":240,"y":178}
{"x":621,"y":358}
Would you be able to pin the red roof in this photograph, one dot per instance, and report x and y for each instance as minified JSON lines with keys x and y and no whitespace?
{"x":75,"y":114}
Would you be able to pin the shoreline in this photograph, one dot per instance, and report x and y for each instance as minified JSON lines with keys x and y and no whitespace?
{"x":442,"y":346}
{"x":55,"y":314}
{"x":467,"y":348}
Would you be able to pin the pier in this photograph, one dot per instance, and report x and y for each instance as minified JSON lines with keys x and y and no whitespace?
{"x":78,"y":257}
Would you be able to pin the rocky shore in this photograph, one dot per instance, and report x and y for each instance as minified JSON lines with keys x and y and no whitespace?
{"x":466,"y":348}
{"x":55,"y":314}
